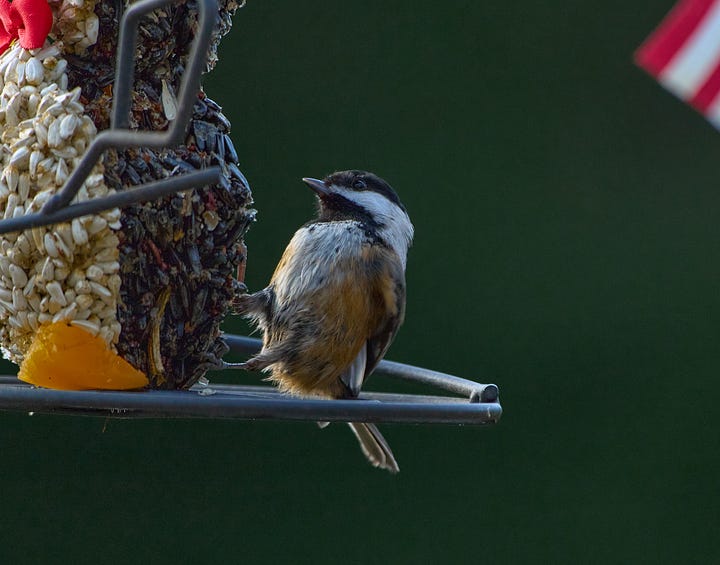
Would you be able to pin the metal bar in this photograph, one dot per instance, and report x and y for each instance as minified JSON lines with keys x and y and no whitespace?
{"x":149,"y":191}
{"x":240,"y":405}
{"x":122,"y":138}
{"x":476,"y":392}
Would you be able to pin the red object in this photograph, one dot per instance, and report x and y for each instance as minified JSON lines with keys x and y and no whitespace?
{"x":27,"y":20}
{"x":683,"y":54}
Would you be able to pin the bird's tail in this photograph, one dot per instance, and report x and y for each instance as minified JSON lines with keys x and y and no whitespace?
{"x":374,"y":446}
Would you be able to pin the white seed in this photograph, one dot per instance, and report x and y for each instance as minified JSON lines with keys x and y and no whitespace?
{"x":65,"y":313}
{"x":110,"y":240}
{"x":50,"y":247}
{"x":84,"y":301}
{"x":107,"y":334}
{"x":75,"y":276}
{"x":5,"y":294}
{"x":22,"y":244}
{"x":35,"y":157}
{"x":15,"y":322}
{"x":80,"y":236}
{"x":87,"y":325}
{"x":68,"y":125}
{"x":100,"y":290}
{"x":11,"y":117}
{"x":8,"y":306}
{"x":63,"y":81}
{"x":56,"y":294}
{"x":75,"y":107}
{"x":20,"y":158}
{"x":61,"y":273}
{"x":168,"y":101}
{"x":94,"y":273}
{"x":44,"y":318}
{"x":46,"y":165}
{"x":48,"y":270}
{"x":12,"y":177}
{"x":64,"y":152}
{"x":34,"y":302}
{"x":88,"y":126}
{"x":20,"y":72}
{"x":96,"y":225}
{"x":9,"y":74}
{"x":9,"y":90}
{"x":108,"y":313}
{"x":61,"y":173}
{"x":38,"y":202}
{"x":53,"y":135}
{"x":63,"y":248}
{"x":30,"y":286}
{"x":5,"y":266}
{"x":32,"y":319}
{"x":38,"y":234}
{"x":112,"y":215}
{"x":92,"y":25}
{"x":19,"y":301}
{"x":83,"y":287}
{"x":41,"y":133}
{"x":26,"y":139}
{"x":80,"y":144}
{"x":59,"y":69}
{"x":212,"y":219}
{"x":83,"y":314}
{"x":70,"y":295}
{"x":109,"y":267}
{"x":34,"y":71}
{"x":94,"y":181}
{"x":12,"y":202}
{"x":52,"y":87}
{"x":19,"y":278}
{"x":106,"y":254}
{"x":64,"y":232}
{"x":113,"y":283}
{"x":24,"y":187}
{"x":32,"y":104}
{"x":46,"y":52}
{"x":19,"y":211}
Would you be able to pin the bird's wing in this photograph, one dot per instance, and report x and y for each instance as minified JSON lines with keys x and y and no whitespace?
{"x":386,"y":298}
{"x":390,"y":291}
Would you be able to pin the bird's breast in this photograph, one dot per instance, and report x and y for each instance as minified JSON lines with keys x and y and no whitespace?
{"x":318,"y":254}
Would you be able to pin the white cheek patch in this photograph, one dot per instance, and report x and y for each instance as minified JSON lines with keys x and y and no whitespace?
{"x":397,"y":229}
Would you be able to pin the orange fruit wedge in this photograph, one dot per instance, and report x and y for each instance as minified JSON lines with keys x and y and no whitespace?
{"x":66,"y":357}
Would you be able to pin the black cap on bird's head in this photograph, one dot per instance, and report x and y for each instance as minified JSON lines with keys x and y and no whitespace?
{"x":366,"y":198}
{"x":348,"y":192}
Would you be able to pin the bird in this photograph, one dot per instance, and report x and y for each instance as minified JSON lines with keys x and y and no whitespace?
{"x":336,"y":298}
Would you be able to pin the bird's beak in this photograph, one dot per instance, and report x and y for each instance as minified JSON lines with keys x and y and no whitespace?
{"x":318,"y":186}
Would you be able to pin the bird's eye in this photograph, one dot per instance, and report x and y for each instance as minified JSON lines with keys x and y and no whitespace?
{"x":359,"y":184}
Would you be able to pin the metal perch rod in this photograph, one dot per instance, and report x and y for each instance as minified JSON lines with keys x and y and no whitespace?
{"x":479,"y":406}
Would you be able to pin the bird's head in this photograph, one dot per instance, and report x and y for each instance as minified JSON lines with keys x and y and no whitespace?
{"x":364,"y":197}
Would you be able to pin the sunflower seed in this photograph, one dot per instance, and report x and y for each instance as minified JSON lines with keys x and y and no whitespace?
{"x":34,"y":71}
{"x":56,"y":294}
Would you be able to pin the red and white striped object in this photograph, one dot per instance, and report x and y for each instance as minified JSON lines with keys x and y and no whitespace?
{"x":683,"y":54}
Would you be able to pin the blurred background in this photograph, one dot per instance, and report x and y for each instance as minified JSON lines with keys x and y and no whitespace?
{"x":566,"y":212}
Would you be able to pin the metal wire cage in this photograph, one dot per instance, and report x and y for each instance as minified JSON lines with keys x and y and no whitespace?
{"x":464,"y":401}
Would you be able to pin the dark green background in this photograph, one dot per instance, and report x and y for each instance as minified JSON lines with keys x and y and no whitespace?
{"x":566,"y":210}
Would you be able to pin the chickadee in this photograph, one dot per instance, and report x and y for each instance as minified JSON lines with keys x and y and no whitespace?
{"x":337,"y":297}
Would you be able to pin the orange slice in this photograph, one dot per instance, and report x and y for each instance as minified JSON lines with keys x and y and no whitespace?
{"x":67,"y":357}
